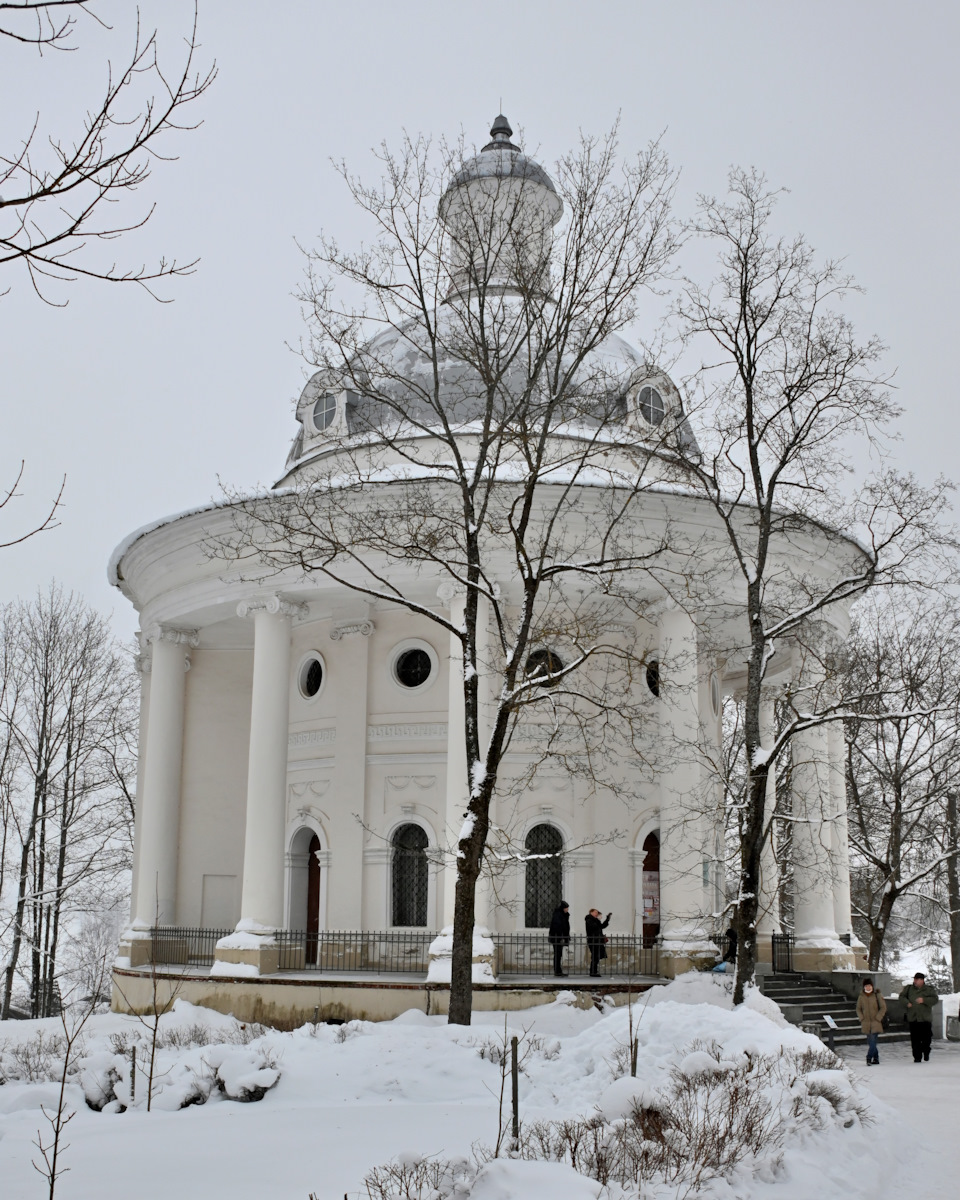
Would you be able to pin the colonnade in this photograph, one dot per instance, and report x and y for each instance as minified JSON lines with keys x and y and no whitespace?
{"x":687,"y":830}
{"x":823,"y":933}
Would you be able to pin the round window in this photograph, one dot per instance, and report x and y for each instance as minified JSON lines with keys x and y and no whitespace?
{"x":542,"y":664}
{"x":311,"y":677}
{"x":413,"y":667}
{"x":650,"y":403}
{"x":324,"y":411}
{"x":653,"y":676}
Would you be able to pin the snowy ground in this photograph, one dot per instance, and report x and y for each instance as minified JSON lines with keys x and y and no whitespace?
{"x":351,"y":1098}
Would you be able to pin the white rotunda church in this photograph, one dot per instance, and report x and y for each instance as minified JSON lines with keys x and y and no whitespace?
{"x":302,"y":772}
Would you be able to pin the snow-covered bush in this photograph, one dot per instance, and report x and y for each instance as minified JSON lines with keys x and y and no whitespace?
{"x":37,"y":1060}
{"x":713,"y":1112}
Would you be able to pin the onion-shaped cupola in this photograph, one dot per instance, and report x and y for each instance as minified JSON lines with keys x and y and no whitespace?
{"x":499,"y":210}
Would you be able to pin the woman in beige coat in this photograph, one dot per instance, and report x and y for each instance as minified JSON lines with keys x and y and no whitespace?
{"x":871,"y":1009}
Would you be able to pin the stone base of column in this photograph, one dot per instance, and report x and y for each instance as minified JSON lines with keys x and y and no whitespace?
{"x":247,"y":954}
{"x":689,"y":954}
{"x":484,"y":956}
{"x":816,"y":953}
{"x":135,"y":948}
{"x":765,"y":945}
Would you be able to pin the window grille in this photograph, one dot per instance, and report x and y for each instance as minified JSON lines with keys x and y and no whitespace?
{"x":544,"y":883}
{"x":410,"y":876}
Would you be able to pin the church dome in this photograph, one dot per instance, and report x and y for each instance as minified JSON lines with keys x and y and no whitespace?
{"x":499,"y":209}
{"x":500,"y":159}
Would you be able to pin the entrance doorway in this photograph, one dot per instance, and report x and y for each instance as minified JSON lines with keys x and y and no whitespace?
{"x":651,"y":888}
{"x":313,"y":899}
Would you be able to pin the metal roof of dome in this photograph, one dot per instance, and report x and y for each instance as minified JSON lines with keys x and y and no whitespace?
{"x":499,"y":158}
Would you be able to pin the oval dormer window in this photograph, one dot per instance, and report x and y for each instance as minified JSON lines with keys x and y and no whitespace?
{"x":324,"y":411}
{"x":650,"y":403}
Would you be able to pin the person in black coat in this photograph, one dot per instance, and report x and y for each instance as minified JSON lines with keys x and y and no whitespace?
{"x":559,"y":934}
{"x":595,"y":938}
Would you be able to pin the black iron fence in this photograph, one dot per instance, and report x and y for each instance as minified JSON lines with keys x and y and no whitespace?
{"x":380,"y":952}
{"x":782,"y":951}
{"x":533,"y":954}
{"x":404,"y":951}
{"x":175,"y":945}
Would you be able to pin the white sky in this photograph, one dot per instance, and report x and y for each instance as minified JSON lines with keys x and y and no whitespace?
{"x":853,"y":106}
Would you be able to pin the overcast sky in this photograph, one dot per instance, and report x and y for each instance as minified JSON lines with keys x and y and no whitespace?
{"x":851,"y":105}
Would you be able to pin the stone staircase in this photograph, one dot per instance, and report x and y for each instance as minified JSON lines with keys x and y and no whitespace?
{"x":809,"y":995}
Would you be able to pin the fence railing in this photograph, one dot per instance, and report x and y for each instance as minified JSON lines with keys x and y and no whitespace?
{"x":404,"y":951}
{"x":532,"y":954}
{"x":781,"y":955}
{"x":380,"y":952}
{"x":175,"y":945}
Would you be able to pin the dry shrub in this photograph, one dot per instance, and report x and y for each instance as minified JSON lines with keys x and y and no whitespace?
{"x":418,"y":1179}
{"x":36,"y":1061}
{"x":712,"y":1113}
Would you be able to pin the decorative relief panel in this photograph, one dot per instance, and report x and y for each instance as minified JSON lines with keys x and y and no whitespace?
{"x":312,"y":737}
{"x":302,"y":799}
{"x":382,"y":733}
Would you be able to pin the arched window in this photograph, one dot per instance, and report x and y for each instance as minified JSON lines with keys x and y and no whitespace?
{"x":409,"y":876}
{"x":544,"y":883}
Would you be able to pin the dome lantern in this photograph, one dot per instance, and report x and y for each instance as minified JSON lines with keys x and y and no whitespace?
{"x":500,"y":209}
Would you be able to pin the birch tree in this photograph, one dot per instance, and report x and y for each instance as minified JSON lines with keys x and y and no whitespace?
{"x":68,"y":822}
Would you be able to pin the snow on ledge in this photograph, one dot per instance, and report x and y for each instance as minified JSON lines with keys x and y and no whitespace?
{"x":236,"y":970}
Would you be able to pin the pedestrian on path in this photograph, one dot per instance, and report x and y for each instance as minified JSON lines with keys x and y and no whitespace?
{"x":871,"y":1009}
{"x":559,"y":935}
{"x":595,"y":939}
{"x":920,"y":999}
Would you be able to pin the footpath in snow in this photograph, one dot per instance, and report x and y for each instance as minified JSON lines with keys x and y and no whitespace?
{"x":758,"y":1108}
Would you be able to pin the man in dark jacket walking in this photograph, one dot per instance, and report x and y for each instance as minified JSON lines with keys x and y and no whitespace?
{"x":920,"y":999}
{"x":559,"y":934}
{"x":595,"y":939}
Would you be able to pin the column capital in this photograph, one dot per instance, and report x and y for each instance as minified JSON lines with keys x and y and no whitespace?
{"x":177,"y":637}
{"x":275,"y":605}
{"x":448,"y":590}
{"x":143,"y":663}
{"x":364,"y":628}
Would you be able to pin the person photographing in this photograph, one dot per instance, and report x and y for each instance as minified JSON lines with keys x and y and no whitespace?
{"x":595,"y":939}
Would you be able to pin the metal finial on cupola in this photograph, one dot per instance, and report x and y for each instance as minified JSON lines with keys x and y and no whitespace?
{"x":501,"y":128}
{"x":501,"y":133}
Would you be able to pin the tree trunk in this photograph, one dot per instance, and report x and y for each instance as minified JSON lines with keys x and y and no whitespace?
{"x":461,"y":968}
{"x":953,"y":886}
{"x":878,"y":927}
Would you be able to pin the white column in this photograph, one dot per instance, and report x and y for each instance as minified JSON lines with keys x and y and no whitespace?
{"x":484,"y":912}
{"x":345,"y":894}
{"x":768,"y":912}
{"x":457,"y":794}
{"x":142,"y":662}
{"x":812,"y":874}
{"x":840,"y":852}
{"x":261,"y":904}
{"x":161,"y":768}
{"x":683,"y":852}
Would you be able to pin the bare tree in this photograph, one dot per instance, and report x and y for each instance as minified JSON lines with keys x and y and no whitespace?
{"x":901,"y":663}
{"x":62,"y":195}
{"x":790,"y":394}
{"x":68,"y":702}
{"x":486,"y":442}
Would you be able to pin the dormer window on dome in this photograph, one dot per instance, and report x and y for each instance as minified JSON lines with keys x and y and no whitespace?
{"x":324,"y":411}
{"x":651,"y":406}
